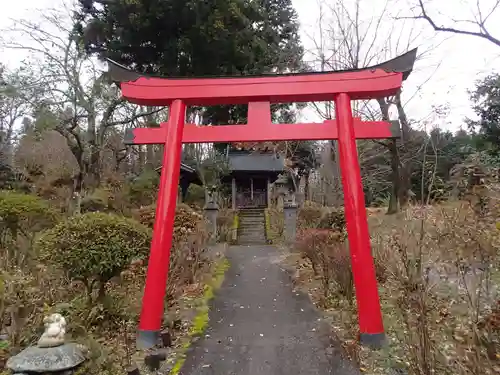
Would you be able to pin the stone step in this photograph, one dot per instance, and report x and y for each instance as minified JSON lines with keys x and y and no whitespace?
{"x":246,"y":214}
{"x":252,"y":243}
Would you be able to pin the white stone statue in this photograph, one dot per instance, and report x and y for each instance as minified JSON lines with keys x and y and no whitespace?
{"x":55,"y":329}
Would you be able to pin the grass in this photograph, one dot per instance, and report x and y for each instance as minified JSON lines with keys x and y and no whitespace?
{"x":201,"y":319}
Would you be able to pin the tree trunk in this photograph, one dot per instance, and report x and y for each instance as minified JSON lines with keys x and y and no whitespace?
{"x":94,"y":156}
{"x":395,"y":178}
{"x":141,"y":159}
{"x":306,"y":187}
{"x":337,"y":180}
{"x":150,"y":157}
{"x":95,"y":167}
{"x":395,"y":162}
{"x":405,"y":173}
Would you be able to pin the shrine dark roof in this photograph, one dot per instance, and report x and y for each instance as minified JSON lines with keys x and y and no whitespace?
{"x":255,"y":162}
{"x":187,"y":173}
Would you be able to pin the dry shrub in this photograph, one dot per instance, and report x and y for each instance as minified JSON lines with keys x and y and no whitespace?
{"x":190,"y":239}
{"x":315,"y":216}
{"x":27,"y":295}
{"x":46,"y":158}
{"x":309,"y":215}
{"x":329,"y":256}
{"x":225,"y":220}
{"x":108,"y":327}
{"x":443,"y":287}
{"x":333,"y":219}
{"x":276,"y":223}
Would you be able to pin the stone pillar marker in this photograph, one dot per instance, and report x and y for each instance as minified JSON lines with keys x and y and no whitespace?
{"x":282,"y":189}
{"x":233,"y":193}
{"x":211,"y":212}
{"x":290,"y":222}
{"x":52,"y":354}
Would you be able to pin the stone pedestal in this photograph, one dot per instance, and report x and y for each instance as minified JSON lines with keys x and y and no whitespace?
{"x":290,"y":223}
{"x":211,"y":211}
{"x":52,"y":354}
{"x":62,"y":359}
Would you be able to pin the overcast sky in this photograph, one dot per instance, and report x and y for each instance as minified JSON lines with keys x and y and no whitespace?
{"x":449,"y":69}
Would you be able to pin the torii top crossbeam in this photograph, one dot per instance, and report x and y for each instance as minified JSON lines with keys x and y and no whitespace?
{"x":368,"y":83}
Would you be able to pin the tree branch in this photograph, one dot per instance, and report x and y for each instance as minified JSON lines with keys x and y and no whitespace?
{"x":133,"y":118}
{"x":483,"y":34}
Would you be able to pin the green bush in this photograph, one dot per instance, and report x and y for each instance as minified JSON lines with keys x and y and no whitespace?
{"x":195,"y":195}
{"x":142,"y":191}
{"x":97,"y":201}
{"x":94,"y":247}
{"x":24,"y":214}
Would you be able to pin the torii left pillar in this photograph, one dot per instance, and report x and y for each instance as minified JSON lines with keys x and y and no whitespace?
{"x":159,"y":259}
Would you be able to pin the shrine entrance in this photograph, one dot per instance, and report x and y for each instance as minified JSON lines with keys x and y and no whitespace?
{"x":251,"y":192}
{"x":259,"y":93}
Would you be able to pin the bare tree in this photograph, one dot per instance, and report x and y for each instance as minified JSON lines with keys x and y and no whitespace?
{"x":77,"y":93}
{"x":352,"y":35}
{"x":477,"y":25}
{"x":16,"y":97}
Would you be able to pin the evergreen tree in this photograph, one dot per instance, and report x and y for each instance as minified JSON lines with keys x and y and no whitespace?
{"x":196,"y":38}
{"x":192,"y":37}
{"x":486,"y":100}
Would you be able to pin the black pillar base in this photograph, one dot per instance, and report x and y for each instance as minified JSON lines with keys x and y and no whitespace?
{"x":373,"y":340}
{"x":153,"y":360}
{"x":146,"y":339}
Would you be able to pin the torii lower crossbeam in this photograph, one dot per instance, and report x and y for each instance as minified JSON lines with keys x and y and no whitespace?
{"x":274,"y":132}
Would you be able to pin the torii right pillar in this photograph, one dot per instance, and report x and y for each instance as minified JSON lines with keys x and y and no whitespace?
{"x":363,"y":268}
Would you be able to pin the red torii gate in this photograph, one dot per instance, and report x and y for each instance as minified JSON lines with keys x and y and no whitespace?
{"x":259,"y":92}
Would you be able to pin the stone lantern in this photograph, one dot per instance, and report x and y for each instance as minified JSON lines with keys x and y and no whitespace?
{"x":282,"y":189}
{"x":211,"y":212}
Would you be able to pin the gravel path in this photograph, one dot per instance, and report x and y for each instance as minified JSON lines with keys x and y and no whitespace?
{"x":260,"y":326}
